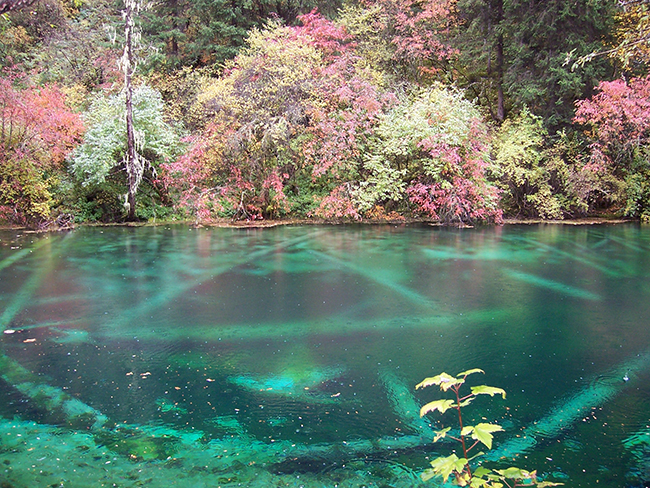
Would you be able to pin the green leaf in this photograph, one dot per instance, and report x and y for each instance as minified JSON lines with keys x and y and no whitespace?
{"x":514,"y":473}
{"x":483,"y":433}
{"x":480,"y":478}
{"x":443,"y":380}
{"x":467,"y":430}
{"x":478,"y":482}
{"x":444,"y":466}
{"x":544,"y":484}
{"x":466,"y":402}
{"x":441,"y":434}
{"x":478,"y":454}
{"x":441,"y":405}
{"x":428,"y":474}
{"x":488,"y":390}
{"x":480,"y":472}
{"x":471,"y":371}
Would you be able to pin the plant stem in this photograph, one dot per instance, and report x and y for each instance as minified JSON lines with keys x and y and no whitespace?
{"x":460,"y":423}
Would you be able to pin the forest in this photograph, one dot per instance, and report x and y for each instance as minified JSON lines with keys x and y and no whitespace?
{"x":449,"y":111}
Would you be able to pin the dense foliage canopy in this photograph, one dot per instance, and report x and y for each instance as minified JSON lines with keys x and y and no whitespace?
{"x":457,"y":111}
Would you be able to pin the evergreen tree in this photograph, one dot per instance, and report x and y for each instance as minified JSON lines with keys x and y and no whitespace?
{"x":194,"y":33}
{"x":513,"y":53}
{"x":207,"y":32}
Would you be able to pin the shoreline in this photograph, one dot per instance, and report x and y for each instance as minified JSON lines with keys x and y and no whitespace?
{"x":264,"y":224}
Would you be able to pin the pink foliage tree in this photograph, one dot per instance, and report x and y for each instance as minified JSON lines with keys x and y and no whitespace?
{"x":619,"y":120}
{"x":35,"y":119}
{"x":343,"y":124}
{"x":460,"y":192}
{"x":419,"y":31}
{"x":313,"y":124}
{"x":330,"y":39}
{"x":191,"y":179}
{"x":338,"y":204}
{"x":37,"y":131}
{"x":214,"y":178}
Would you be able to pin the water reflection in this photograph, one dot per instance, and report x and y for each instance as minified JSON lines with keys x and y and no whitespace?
{"x":296,"y":349}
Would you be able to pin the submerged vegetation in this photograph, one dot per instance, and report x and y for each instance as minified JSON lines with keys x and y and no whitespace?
{"x":105,"y":380}
{"x":457,"y":111}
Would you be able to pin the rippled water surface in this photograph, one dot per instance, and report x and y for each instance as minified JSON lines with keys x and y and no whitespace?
{"x":174,"y":356}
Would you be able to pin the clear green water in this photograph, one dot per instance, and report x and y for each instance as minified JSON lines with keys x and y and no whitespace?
{"x":174,"y":356}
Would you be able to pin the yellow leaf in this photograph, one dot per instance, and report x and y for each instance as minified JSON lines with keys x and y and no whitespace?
{"x":488,"y":390}
{"x":441,"y":434}
{"x":471,"y":371}
{"x":441,"y":405}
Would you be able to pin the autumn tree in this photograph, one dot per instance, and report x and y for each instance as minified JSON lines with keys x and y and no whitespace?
{"x":343,"y":123}
{"x":415,"y":33}
{"x":251,"y":116}
{"x":433,"y":148}
{"x":37,"y":131}
{"x":43,"y":17}
{"x":633,"y":33}
{"x":535,"y":172}
{"x":14,"y":43}
{"x":22,"y":30}
{"x":263,"y":119}
{"x":629,"y":43}
{"x":617,"y":122}
{"x":80,"y":55}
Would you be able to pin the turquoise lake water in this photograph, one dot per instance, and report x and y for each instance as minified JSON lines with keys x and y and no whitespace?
{"x":176,"y":356}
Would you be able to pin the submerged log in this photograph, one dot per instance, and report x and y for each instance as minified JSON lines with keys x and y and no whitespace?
{"x":58,"y":407}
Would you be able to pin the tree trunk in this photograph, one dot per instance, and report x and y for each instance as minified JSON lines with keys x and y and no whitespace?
{"x":131,"y":151}
{"x":501,"y":111}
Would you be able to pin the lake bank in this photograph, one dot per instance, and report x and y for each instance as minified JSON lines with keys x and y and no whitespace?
{"x":261,"y":224}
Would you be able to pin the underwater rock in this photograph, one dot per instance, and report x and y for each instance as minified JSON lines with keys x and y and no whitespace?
{"x":136,"y":445}
{"x":72,"y":336}
{"x":301,"y":386}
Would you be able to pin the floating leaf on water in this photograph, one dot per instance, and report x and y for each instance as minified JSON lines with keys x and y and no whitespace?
{"x":165,"y":405}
